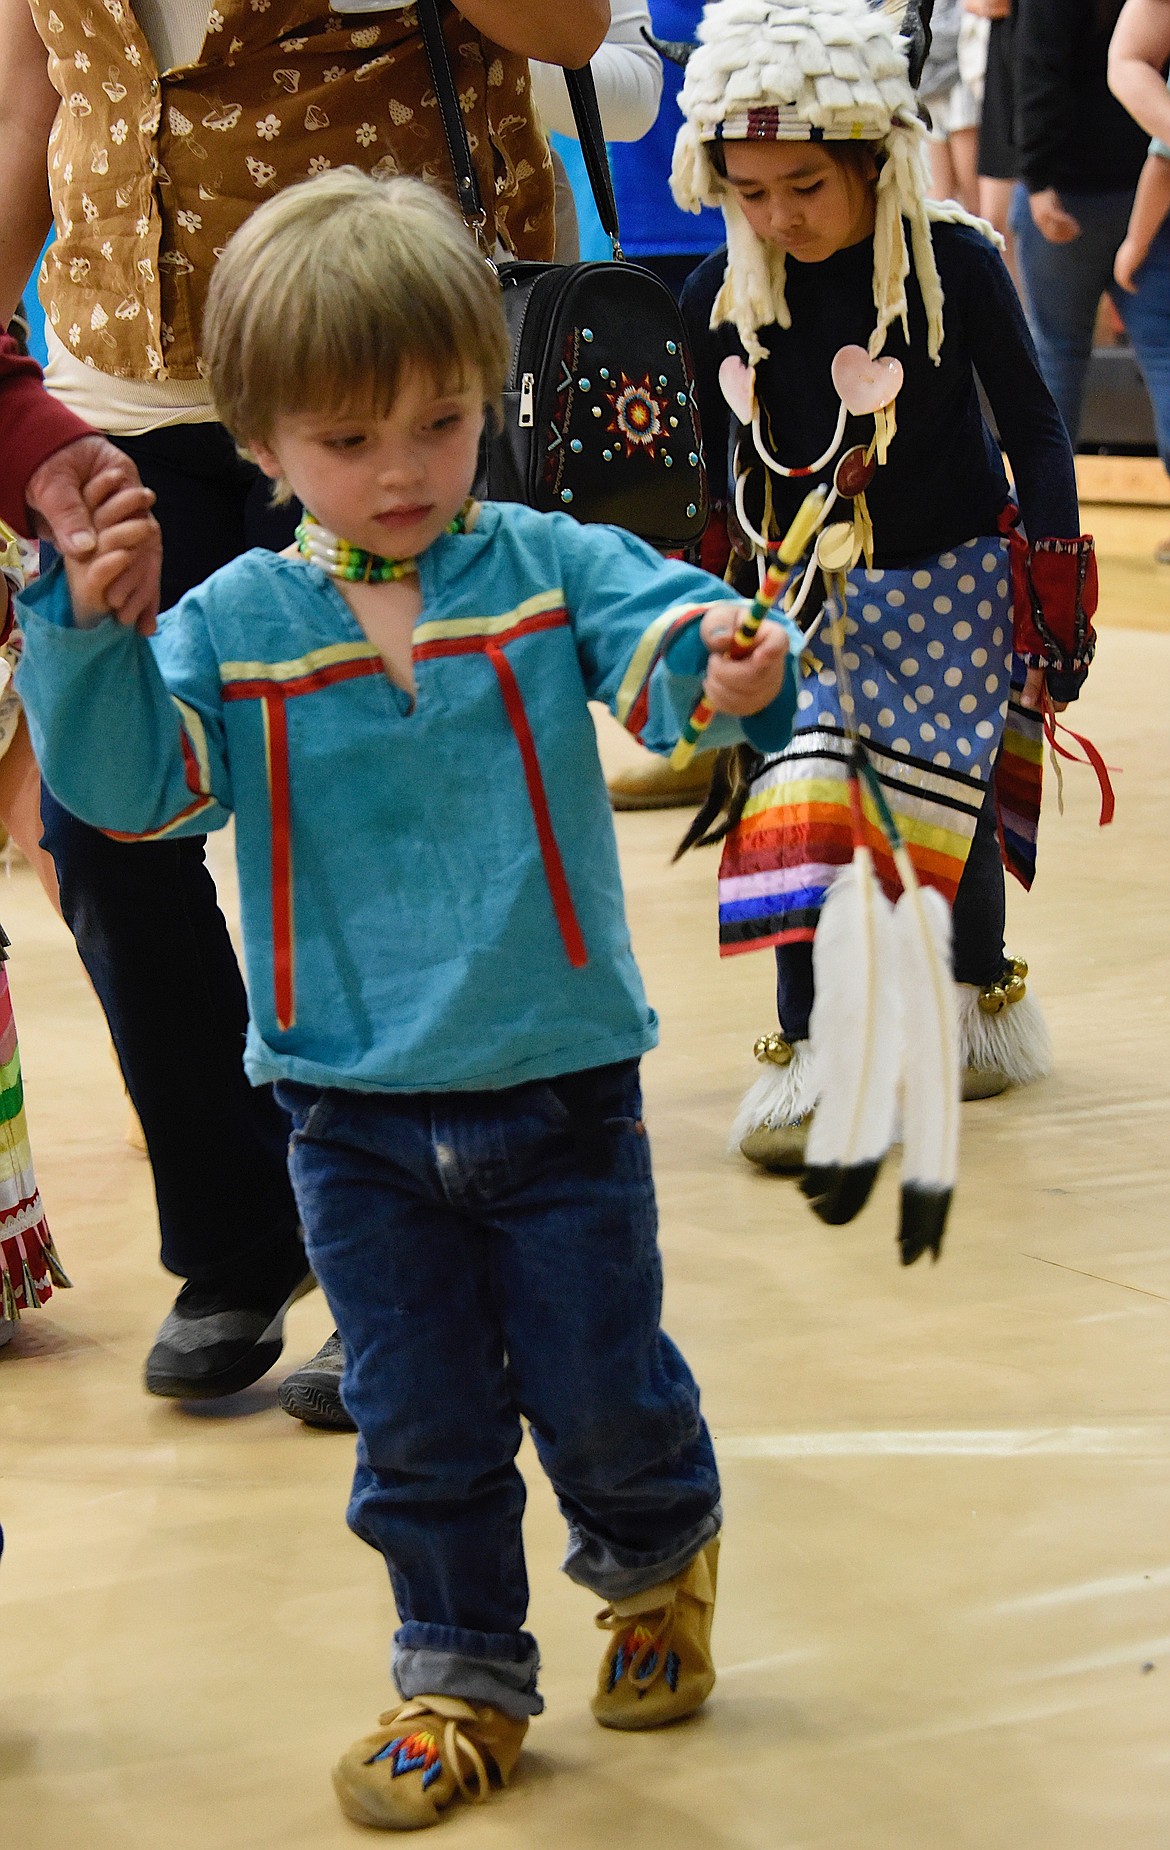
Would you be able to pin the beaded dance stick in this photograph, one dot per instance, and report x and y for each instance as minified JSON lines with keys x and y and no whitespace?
{"x":775,"y":583}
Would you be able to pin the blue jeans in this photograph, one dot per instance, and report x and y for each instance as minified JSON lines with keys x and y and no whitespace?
{"x":1063,"y":283}
{"x":490,"y":1256}
{"x":977,"y":921}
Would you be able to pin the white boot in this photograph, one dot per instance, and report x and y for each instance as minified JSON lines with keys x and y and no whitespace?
{"x":1003,"y":1037}
{"x":771,"y":1125}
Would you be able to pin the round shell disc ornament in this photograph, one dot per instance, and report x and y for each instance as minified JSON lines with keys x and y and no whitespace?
{"x":854,"y":472}
{"x":838,"y":547}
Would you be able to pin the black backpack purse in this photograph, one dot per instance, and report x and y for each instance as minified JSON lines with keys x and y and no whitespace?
{"x":599,"y":413}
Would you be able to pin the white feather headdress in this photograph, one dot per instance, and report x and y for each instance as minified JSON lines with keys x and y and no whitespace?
{"x":825,"y":70}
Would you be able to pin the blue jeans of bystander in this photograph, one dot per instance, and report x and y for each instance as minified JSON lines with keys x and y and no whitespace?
{"x":1063,"y":283}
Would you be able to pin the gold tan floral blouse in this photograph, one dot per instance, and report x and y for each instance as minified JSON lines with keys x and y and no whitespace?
{"x":151,"y":172}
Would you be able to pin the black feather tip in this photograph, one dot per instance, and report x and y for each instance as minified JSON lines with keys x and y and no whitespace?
{"x":675,"y":51}
{"x":838,"y":1193}
{"x":924,"y":1221}
{"x":917,"y":36}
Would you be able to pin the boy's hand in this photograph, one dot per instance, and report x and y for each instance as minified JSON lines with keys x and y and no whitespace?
{"x":121,"y":577}
{"x":751,"y":684}
{"x":1129,"y":259}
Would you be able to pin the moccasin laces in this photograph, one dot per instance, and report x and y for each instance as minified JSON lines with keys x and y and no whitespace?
{"x":456,"y":1745}
{"x":642,"y":1642}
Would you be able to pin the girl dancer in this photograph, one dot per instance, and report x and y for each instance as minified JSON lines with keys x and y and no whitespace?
{"x":822,"y":324}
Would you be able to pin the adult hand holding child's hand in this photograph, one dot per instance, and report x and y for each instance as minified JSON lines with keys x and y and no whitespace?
{"x":59,"y":499}
{"x":111,"y":580}
{"x":754,"y":681}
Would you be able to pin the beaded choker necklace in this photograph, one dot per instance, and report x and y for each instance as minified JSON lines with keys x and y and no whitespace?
{"x":353,"y":563}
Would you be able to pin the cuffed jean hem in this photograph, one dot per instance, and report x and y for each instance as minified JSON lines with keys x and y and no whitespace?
{"x":620,"y":1573}
{"x":450,"y":1664}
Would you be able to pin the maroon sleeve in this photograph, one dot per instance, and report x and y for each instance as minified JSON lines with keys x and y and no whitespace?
{"x":32,"y":426}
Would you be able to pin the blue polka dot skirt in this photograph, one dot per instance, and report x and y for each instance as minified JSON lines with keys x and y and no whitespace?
{"x":928,"y":657}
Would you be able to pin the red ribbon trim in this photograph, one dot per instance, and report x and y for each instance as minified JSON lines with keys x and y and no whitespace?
{"x":470,"y":645}
{"x":274,"y":695}
{"x":639,"y":713}
{"x":184,"y":815}
{"x":280,"y":826}
{"x":550,"y":854}
{"x":1092,"y":758}
{"x":260,"y":688}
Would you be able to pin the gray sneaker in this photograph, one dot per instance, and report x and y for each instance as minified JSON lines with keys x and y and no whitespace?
{"x":211,"y":1344}
{"x":313,"y":1393}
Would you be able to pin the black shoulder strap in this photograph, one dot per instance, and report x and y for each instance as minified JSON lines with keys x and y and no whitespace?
{"x":586,"y":114}
{"x":591,"y":135}
{"x":467,"y":185}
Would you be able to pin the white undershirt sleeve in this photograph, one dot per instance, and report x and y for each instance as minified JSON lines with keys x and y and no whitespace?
{"x":628,"y":75}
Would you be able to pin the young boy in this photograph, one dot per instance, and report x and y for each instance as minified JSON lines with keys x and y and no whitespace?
{"x":439,"y":967}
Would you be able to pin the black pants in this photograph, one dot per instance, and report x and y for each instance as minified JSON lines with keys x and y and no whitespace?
{"x":977,"y":921}
{"x":155,"y":944}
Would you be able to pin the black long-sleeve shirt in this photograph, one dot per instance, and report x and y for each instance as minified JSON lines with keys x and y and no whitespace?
{"x":944,"y":481}
{"x":1070,"y":131}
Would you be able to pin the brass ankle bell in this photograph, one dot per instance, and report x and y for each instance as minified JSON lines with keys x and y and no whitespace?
{"x":773,"y":1050}
{"x":1015,"y":987}
{"x":1011,"y":988}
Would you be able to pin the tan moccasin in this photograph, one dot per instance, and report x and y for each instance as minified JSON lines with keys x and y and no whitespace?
{"x":425,"y":1754}
{"x":653,"y":783}
{"x":658,"y":1666}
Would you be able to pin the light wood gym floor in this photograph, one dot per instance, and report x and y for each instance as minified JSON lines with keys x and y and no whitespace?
{"x":944,"y":1617}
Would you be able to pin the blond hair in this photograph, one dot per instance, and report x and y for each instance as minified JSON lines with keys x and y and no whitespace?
{"x":333,"y":289}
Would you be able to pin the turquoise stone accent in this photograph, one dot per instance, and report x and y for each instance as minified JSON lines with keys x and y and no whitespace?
{"x":576,"y":446}
{"x":584,"y":384}
{"x":692,"y":510}
{"x":672,"y":346}
{"x":605,"y":372}
{"x":566,"y":494}
{"x":680,"y":398}
{"x":668,"y":461}
{"x":586,"y":333}
{"x":607,"y":455}
{"x":662,"y":379}
{"x":693,"y":459}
